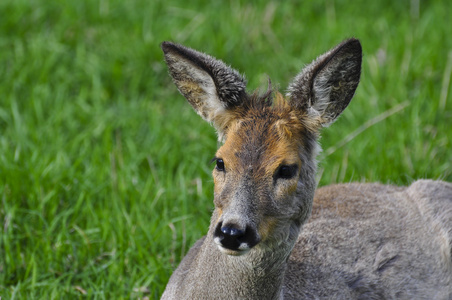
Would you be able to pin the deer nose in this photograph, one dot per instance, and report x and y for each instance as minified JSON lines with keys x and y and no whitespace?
{"x":233,"y":237}
{"x":229,"y":235}
{"x":232,"y":231}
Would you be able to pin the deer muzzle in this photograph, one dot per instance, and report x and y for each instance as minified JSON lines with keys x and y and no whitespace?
{"x":233,"y":238}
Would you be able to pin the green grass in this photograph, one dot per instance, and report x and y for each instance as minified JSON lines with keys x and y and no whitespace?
{"x":104,"y":168}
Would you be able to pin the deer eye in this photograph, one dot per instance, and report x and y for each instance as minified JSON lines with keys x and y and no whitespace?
{"x":286,"y":171}
{"x":220,"y":165}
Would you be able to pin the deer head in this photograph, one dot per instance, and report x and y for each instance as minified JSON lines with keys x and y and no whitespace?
{"x":265,"y":169}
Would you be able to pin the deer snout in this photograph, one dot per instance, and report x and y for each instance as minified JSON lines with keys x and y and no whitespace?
{"x":234,"y":239}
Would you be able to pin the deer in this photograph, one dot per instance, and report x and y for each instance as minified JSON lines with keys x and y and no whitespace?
{"x":273,"y":234}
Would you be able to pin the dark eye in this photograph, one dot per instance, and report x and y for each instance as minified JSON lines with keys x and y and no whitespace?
{"x":286,"y":172}
{"x":220,"y":165}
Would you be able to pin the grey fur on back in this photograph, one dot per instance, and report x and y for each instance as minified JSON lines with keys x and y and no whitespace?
{"x":270,"y":236}
{"x":373,"y":241}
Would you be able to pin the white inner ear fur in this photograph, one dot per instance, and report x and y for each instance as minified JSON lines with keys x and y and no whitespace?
{"x":322,"y":91}
{"x":211,"y":104}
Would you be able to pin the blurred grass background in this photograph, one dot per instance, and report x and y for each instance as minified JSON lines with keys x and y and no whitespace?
{"x":104,"y":168}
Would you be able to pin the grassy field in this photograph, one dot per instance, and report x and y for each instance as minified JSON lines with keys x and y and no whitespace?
{"x":104,"y":168}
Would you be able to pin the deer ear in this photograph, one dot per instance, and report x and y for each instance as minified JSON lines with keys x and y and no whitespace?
{"x":325,"y":87}
{"x":209,"y":85}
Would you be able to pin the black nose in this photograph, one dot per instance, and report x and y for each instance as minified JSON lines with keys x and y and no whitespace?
{"x":232,"y":231}
{"x":232,"y":237}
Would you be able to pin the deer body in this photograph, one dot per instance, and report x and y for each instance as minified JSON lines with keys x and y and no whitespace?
{"x":269,"y":236}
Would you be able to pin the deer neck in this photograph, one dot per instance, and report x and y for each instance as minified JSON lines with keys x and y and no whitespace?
{"x":258,"y":274}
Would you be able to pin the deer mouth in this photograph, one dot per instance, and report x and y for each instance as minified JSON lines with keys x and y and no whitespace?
{"x":232,"y":252}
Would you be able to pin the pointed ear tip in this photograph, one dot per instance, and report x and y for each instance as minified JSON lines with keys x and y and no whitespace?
{"x":353,"y":41}
{"x":354,"y":44}
{"x":167,"y":46}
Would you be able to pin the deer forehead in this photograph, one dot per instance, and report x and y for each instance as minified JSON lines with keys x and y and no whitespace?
{"x":262,"y":141}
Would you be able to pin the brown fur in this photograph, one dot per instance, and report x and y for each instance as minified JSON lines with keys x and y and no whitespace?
{"x":362,"y":241}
